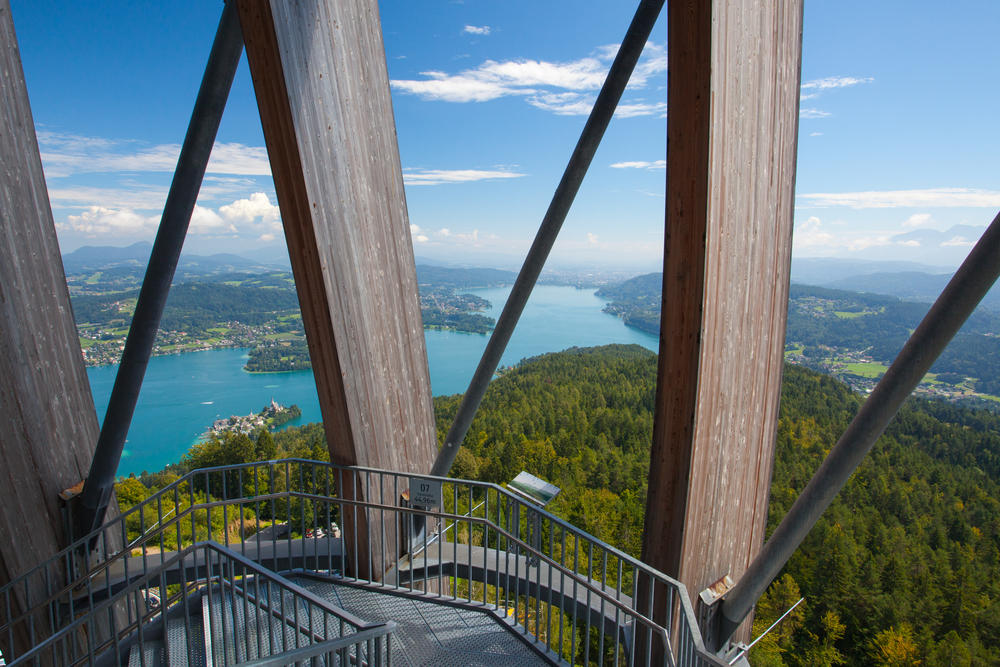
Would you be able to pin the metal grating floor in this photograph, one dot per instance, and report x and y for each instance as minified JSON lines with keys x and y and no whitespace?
{"x":431,"y":633}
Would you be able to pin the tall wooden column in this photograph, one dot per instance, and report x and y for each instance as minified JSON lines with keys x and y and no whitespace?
{"x":49,"y":422}
{"x":733,"y":89}
{"x":322,"y":86}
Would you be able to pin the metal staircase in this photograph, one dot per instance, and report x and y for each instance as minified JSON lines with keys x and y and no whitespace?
{"x":226,"y":566}
{"x":238,"y":626}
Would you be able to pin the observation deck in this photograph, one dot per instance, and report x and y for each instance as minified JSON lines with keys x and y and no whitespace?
{"x":244,"y":565}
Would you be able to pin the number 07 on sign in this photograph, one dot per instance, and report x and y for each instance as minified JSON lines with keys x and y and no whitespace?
{"x":425,"y":493}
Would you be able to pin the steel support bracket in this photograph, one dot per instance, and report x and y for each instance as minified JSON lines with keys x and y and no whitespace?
{"x":709,"y":613}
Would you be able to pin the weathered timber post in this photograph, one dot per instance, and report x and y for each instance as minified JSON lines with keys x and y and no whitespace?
{"x":733,"y":90}
{"x":49,"y":422}
{"x":322,"y":87}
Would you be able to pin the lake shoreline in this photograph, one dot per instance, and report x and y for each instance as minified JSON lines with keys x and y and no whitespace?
{"x":185,"y":392}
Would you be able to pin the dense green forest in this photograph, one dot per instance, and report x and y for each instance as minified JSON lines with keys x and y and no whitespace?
{"x":636,"y":301}
{"x":467,"y":322}
{"x":462,"y":278}
{"x":279,"y":356}
{"x":196,"y":305}
{"x":900,"y":570}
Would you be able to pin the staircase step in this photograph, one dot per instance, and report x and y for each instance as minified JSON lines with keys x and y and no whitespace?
{"x":236,"y":630}
{"x":211,"y":658}
{"x":185,"y":648}
{"x":151,"y":654}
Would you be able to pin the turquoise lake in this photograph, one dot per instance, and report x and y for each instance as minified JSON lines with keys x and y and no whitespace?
{"x":183,"y":394}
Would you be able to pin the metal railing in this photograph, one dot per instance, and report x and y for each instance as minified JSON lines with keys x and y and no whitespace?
{"x":225,"y":608}
{"x":564,"y":592}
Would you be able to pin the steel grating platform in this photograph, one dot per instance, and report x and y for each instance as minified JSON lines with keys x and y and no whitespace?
{"x":430,"y":632}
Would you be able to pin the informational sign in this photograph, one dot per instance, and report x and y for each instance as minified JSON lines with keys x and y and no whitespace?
{"x":533,"y":488}
{"x":425,"y":493}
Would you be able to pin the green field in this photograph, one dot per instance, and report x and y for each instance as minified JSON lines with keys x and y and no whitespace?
{"x":871,"y":369}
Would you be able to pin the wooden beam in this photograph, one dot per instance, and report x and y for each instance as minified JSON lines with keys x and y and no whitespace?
{"x":50,"y":425}
{"x":322,"y":87}
{"x":733,"y":89}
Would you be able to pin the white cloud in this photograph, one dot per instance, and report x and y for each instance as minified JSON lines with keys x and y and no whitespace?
{"x":917,"y":220}
{"x":103,"y":220}
{"x":813,"y":113}
{"x":249,"y":218}
{"x":657,"y":164}
{"x":652,"y":63}
{"x":959,"y":241}
{"x":815,"y":134}
{"x":814,"y":237}
{"x":564,"y":88}
{"x":144,"y":197}
{"x":74,"y":142}
{"x":563,"y":104}
{"x":206,"y":221}
{"x":818,"y":86}
{"x":469,"y":238}
{"x":641,"y":109}
{"x":835,"y":82}
{"x":249,"y":210}
{"x":421,"y":238}
{"x":66,"y":155}
{"x":442,"y":176}
{"x":811,"y":234}
{"x":444,"y":231}
{"x":239,"y":159}
{"x":927,"y":198}
{"x":591,"y":238}
{"x":458,"y":88}
{"x":864,"y":242}
{"x":476,"y":30}
{"x":583,"y":74}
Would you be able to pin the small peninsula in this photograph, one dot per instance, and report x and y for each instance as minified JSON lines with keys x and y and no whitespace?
{"x":271,"y":417}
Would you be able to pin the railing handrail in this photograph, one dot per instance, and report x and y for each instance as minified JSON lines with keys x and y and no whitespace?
{"x":151,"y":574}
{"x":172,"y":494}
{"x":80,"y":542}
{"x":376,"y":632}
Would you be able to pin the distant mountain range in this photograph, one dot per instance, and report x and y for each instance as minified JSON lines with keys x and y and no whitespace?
{"x":930,"y":246}
{"x":905,"y":280}
{"x":90,"y":259}
{"x":98,"y":258}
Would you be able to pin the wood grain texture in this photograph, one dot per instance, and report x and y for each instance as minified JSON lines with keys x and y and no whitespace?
{"x":50,"y":425}
{"x":732,"y":129}
{"x":323,"y":91}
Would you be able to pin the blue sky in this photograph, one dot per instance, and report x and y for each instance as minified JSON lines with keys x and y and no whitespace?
{"x":896,"y":138}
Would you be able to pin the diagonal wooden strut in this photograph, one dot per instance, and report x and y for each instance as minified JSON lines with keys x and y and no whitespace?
{"x":322,"y":87}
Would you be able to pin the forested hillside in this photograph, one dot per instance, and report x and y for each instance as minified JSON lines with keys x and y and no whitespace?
{"x":259,"y":311}
{"x":852,"y":335}
{"x":901,"y":569}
